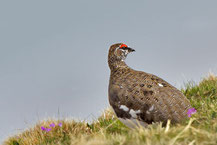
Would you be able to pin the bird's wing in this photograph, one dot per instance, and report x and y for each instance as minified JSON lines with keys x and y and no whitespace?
{"x":163,"y":100}
{"x":150,"y":99}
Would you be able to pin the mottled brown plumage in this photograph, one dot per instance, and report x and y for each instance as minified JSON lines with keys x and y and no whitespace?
{"x":141,"y":97}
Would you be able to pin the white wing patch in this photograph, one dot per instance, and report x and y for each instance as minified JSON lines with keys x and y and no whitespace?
{"x":150,"y":109}
{"x":160,"y":85}
{"x":134,"y":113}
{"x":125,"y":108}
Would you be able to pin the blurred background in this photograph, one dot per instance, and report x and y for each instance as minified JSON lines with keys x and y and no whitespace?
{"x":53,"y":54}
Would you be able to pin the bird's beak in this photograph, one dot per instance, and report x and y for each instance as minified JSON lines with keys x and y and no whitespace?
{"x":130,"y":49}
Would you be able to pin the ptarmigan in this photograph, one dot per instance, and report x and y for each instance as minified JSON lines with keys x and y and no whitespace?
{"x":142,"y":98}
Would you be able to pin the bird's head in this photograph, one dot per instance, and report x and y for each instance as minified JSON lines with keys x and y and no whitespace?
{"x":118,"y":53}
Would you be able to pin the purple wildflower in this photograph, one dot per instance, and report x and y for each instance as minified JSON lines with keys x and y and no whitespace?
{"x":60,"y":124}
{"x":52,"y":125}
{"x":191,"y":111}
{"x":43,"y":128}
{"x":48,"y":129}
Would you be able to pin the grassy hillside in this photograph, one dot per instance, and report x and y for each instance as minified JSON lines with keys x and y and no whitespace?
{"x":201,"y":128}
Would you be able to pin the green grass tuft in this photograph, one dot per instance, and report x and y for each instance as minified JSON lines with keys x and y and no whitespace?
{"x":201,"y":128}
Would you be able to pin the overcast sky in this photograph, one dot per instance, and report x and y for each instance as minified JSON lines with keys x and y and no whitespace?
{"x":53,"y":54}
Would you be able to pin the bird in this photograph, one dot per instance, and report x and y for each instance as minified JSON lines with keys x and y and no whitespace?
{"x":139,"y":98}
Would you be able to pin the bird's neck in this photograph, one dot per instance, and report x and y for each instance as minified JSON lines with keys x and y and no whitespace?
{"x":118,"y":64}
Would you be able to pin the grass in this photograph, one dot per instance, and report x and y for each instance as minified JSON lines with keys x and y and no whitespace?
{"x":200,"y":129}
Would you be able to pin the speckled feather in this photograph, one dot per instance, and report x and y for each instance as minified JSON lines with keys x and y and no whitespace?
{"x":154,"y":99}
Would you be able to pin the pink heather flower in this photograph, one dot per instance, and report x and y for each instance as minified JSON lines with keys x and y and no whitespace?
{"x":191,"y":111}
{"x":48,"y":129}
{"x":43,"y":128}
{"x":60,"y":124}
{"x":52,"y":125}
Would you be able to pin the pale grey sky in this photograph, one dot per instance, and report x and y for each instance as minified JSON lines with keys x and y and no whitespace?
{"x":53,"y":54}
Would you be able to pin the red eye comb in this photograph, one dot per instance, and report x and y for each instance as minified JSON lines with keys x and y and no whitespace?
{"x":123,"y":45}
